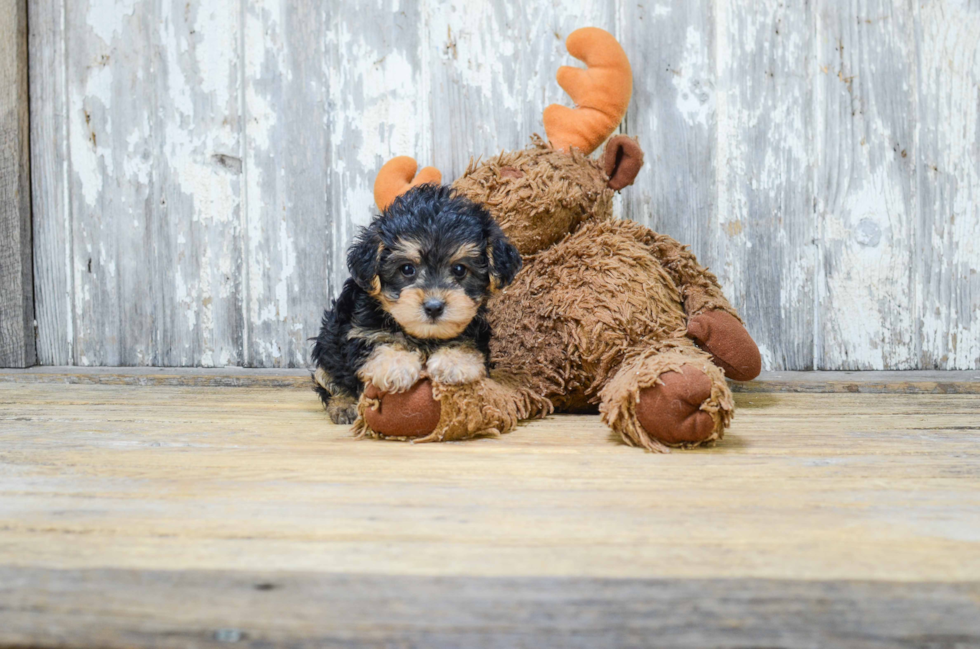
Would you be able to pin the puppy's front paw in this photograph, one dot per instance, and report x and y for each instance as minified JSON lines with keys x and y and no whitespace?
{"x":456,"y":366}
{"x":342,"y":409}
{"x":391,"y":370}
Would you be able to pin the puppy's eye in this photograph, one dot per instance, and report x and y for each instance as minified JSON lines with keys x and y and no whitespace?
{"x":458,"y":271}
{"x":407,"y":270}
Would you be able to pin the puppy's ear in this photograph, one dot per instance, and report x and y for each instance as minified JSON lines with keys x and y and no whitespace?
{"x":504,"y":259}
{"x":364,"y":259}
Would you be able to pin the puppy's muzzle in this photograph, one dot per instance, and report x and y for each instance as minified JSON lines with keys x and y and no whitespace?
{"x":434,"y":307}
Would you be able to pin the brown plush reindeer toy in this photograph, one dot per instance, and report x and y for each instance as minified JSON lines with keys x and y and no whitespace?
{"x":605,"y":313}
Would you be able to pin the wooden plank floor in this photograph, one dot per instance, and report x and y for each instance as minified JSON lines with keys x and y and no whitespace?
{"x":170,"y":515}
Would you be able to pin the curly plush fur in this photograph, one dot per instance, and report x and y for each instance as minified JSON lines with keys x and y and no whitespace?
{"x":608,"y":295}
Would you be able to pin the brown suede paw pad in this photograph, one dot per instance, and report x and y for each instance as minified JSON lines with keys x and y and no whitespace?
{"x":413,"y":413}
{"x":670,"y":413}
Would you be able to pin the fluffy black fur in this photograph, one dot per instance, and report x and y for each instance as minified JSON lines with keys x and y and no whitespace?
{"x":439,"y":223}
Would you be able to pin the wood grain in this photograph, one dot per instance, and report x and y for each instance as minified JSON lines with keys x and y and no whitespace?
{"x":673,"y":113}
{"x":153,"y":112}
{"x":124,"y":608}
{"x":17,"y":347}
{"x":218,"y":158}
{"x":765,"y":216}
{"x":805,"y":486}
{"x":947,"y":277}
{"x":50,"y":180}
{"x":907,"y":382}
{"x":865,"y":165}
{"x":166,"y":516}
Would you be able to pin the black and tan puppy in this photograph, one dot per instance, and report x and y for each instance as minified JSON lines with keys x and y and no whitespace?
{"x":414,"y":306}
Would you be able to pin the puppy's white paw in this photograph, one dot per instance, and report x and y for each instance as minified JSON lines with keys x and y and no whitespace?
{"x":456,"y":366}
{"x":391,"y":369}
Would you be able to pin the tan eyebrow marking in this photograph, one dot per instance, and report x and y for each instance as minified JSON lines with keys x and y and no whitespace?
{"x":409,"y":249}
{"x":465,"y":250}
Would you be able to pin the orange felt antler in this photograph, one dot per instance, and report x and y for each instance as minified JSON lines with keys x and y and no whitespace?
{"x":601,"y":92}
{"x":397,"y":176}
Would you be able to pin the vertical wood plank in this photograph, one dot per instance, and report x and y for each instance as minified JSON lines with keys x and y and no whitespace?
{"x":288,"y":222}
{"x":155,"y":172}
{"x":947,"y":257}
{"x":671,"y":49}
{"x":17,"y":347}
{"x":491,"y":70}
{"x":864,"y":153}
{"x":332,"y":92}
{"x":763,"y":233}
{"x":53,"y":290}
{"x":472,"y":58}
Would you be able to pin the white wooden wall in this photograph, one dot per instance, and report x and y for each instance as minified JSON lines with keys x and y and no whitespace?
{"x":199,"y":167}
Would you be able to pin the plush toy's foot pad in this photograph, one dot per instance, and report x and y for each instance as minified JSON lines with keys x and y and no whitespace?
{"x":670,"y":413}
{"x":413,"y":413}
{"x":729,"y":343}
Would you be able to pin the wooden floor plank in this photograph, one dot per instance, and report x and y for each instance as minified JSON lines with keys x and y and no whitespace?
{"x":907,"y":382}
{"x":811,"y":498}
{"x":119,"y":608}
{"x":805,"y":486}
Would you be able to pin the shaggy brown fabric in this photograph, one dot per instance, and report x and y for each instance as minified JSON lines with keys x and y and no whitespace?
{"x":730,"y":345}
{"x":699,"y":287}
{"x":538,"y":195}
{"x":622,"y":396}
{"x":574,"y":313}
{"x":621,"y":161}
{"x":486,"y":408}
{"x":601,"y":308}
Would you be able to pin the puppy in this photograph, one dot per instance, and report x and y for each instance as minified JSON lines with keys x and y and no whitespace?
{"x":415,"y":304}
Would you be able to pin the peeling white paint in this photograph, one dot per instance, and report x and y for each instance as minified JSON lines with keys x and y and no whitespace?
{"x":107,"y":18}
{"x":185,"y":169}
{"x":693,"y":81}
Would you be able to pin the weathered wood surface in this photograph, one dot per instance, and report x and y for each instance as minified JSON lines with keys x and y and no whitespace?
{"x":203,"y":166}
{"x":50,"y":173}
{"x":905,"y":382}
{"x":947,"y":285}
{"x":17,"y":347}
{"x":129,"y":608}
{"x":176,"y":516}
{"x":763,"y":232}
{"x":805,"y":486}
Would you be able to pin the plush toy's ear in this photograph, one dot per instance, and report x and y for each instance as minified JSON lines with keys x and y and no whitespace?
{"x":397,"y":176}
{"x":504,"y":259}
{"x":622,"y":160}
{"x":364,"y":259}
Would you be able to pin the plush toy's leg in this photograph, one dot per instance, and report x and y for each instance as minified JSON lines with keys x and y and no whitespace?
{"x":434,"y":412}
{"x":729,"y":343}
{"x":667,"y":395}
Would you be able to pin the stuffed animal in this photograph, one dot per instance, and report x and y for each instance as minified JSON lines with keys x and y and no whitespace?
{"x":606,"y":314}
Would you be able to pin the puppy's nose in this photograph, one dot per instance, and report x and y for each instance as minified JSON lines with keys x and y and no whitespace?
{"x":434,"y":307}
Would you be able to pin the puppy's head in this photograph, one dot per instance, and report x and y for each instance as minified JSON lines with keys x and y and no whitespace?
{"x":431,"y":260}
